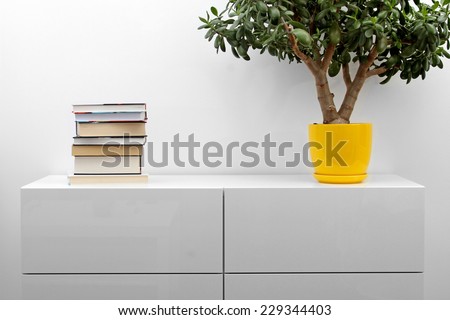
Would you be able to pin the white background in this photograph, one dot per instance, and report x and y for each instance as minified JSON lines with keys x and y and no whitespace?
{"x":56,"y":53}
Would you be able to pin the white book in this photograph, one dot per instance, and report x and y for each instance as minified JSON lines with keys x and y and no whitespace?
{"x":108,"y":165}
{"x":126,"y":141}
{"x":108,"y":179}
{"x":110,"y":129}
{"x":110,"y":116}
{"x":109,"y":107}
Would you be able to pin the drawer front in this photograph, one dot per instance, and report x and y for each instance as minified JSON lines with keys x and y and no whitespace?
{"x":122,"y":230}
{"x":384,"y":286}
{"x":324,"y":230}
{"x":123,"y":287}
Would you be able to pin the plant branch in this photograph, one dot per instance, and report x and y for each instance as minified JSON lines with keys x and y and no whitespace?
{"x":370,"y":59}
{"x":312,"y":66}
{"x":316,"y":52}
{"x":352,"y":93}
{"x":328,"y":56}
{"x":346,"y":75}
{"x":325,"y":96}
{"x":326,"y":99}
{"x":376,"y":71}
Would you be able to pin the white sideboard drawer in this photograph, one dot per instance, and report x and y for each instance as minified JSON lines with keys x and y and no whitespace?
{"x":340,"y":286}
{"x":123,"y":287}
{"x":324,"y":229}
{"x":121,"y":230}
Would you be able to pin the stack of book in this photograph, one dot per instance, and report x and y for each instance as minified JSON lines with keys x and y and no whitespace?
{"x":109,"y":143}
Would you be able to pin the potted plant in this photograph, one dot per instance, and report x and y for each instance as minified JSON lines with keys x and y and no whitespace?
{"x":382,"y":38}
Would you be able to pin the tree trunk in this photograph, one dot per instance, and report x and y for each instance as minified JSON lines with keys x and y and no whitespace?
{"x":348,"y":104}
{"x":326,"y":100}
{"x":353,"y":90}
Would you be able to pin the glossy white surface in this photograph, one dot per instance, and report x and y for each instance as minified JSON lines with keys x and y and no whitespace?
{"x":385,"y":286}
{"x":325,"y":229}
{"x":379,"y":181}
{"x":123,"y":287}
{"x":82,"y":230}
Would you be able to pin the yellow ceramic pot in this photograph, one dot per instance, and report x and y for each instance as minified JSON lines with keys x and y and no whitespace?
{"x":340,"y":153}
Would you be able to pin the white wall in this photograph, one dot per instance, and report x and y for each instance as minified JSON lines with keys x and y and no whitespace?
{"x":56,"y":53}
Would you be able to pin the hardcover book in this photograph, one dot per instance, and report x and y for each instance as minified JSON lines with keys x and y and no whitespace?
{"x":106,"y":150}
{"x":108,"y":165}
{"x":110,"y":129}
{"x":110,"y":116}
{"x":109,"y":107}
{"x":109,"y":140}
{"x":106,"y":179}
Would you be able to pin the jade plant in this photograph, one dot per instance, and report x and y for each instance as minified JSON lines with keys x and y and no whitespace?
{"x":383,"y":38}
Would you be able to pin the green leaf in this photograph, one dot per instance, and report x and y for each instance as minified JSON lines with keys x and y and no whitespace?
{"x":423,"y":74}
{"x":240,"y":33}
{"x":274,"y":14}
{"x":446,"y":54}
{"x":392,"y":61}
{"x":426,"y":64}
{"x":208,"y":34}
{"x":272,"y":51}
{"x":214,"y":11}
{"x":382,"y":44}
{"x":368,"y":44}
{"x":217,"y":42}
{"x":346,"y":58}
{"x":261,"y":6}
{"x":334,"y":69}
{"x":430,"y":29}
{"x":382,"y":15}
{"x":322,"y":14}
{"x":303,"y":37}
{"x":368,"y":33}
{"x":379,"y":27}
{"x":408,"y":51}
{"x":362,"y":40}
{"x":297,"y":24}
{"x":335,"y":33}
{"x":248,"y":25}
{"x":242,"y":51}
{"x":434,"y":60}
{"x":386,"y":80}
{"x":406,"y":7}
{"x":305,"y":13}
{"x":222,"y":45}
{"x":357,"y":24}
{"x":233,"y":50}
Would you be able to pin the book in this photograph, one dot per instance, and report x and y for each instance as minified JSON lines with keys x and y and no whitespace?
{"x":109,"y":107}
{"x":110,"y":116}
{"x":106,"y":179}
{"x":110,"y":129}
{"x":106,"y":150}
{"x":107,"y":165}
{"x":109,"y":140}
